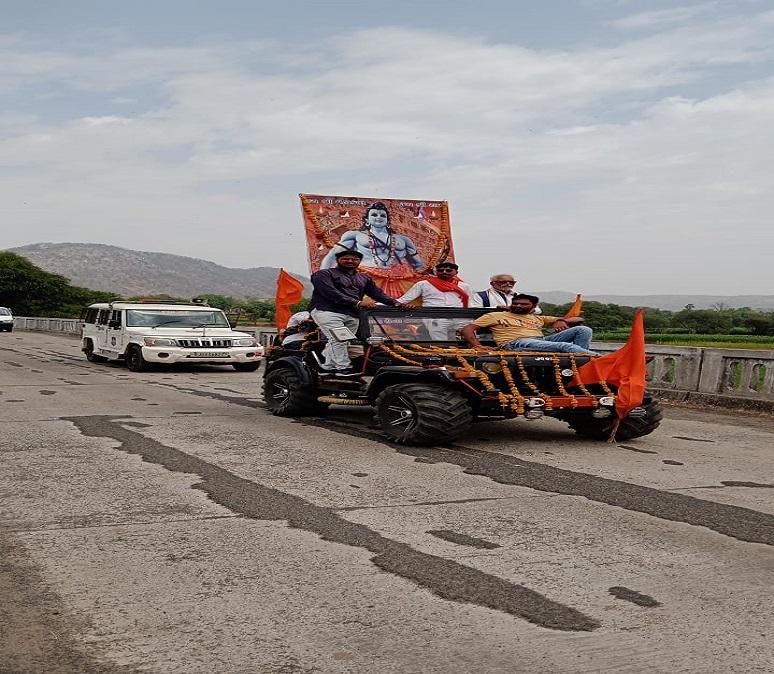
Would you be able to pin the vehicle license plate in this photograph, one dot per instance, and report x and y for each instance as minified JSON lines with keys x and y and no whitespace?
{"x":209,"y":354}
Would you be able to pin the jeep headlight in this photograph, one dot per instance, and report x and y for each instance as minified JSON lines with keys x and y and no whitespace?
{"x":159,"y":341}
{"x":245,"y":341}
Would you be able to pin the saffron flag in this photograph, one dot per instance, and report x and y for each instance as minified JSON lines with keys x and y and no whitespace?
{"x":625,"y":369}
{"x":576,"y":309}
{"x":289,"y":292}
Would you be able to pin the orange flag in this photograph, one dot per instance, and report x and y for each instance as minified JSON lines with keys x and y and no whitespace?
{"x":576,"y":309}
{"x":289,"y":292}
{"x":625,"y":369}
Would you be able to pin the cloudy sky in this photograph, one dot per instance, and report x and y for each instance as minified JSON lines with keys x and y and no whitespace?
{"x":591,"y":146}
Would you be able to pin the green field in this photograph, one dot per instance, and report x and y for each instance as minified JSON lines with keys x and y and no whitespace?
{"x":715,"y":341}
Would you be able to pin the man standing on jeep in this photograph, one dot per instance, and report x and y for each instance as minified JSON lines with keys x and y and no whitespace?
{"x":519,"y":329}
{"x":337,"y":296}
{"x":445,"y":289}
{"x":498,"y":294}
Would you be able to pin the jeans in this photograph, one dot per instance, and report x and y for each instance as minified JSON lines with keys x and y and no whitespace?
{"x":571,"y":340}
{"x":335,"y":352}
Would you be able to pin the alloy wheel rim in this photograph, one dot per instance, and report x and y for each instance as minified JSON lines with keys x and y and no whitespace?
{"x":280,"y":393}
{"x":401,"y":413}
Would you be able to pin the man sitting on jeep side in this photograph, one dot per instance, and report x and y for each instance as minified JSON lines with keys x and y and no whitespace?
{"x":518,"y":329}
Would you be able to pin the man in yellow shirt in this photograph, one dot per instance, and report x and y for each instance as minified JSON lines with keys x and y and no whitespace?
{"x":518,"y":329}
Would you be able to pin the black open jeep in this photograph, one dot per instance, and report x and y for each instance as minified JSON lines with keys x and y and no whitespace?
{"x":427,"y":385}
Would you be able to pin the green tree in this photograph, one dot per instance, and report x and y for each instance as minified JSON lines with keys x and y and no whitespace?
{"x":703,"y":321}
{"x":28,"y":290}
{"x":760,"y":323}
{"x":220,"y":301}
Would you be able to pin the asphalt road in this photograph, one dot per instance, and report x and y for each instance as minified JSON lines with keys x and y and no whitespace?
{"x":165,"y":522}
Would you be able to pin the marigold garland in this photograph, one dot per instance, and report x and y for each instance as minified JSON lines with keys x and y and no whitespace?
{"x":513,"y":399}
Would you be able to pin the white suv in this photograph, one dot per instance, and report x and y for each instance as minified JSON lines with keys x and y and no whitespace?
{"x":6,"y":319}
{"x":142,"y":333}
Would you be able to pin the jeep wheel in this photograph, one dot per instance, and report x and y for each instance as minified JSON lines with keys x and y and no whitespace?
{"x":90,"y":355}
{"x":134,"y":360}
{"x":423,"y":414}
{"x":286,"y":395}
{"x":245,"y":367}
{"x":629,"y":428}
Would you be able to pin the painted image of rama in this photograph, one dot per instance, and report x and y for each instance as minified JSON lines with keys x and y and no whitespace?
{"x":379,"y":244}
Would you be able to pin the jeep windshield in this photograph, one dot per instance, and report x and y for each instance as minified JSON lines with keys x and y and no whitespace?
{"x":178,"y":318}
{"x":423,"y":324}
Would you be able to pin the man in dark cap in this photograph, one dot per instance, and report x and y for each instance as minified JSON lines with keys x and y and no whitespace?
{"x":519,"y":329}
{"x":337,"y":296}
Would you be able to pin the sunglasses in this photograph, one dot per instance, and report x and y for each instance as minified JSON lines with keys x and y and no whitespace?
{"x":504,"y":283}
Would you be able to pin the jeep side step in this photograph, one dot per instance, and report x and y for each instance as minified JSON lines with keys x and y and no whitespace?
{"x":335,"y":400}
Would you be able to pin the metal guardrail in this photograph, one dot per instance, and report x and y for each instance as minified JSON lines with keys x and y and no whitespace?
{"x":701,"y":374}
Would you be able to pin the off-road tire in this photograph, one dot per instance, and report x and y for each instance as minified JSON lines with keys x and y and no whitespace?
{"x":423,"y":414}
{"x":245,"y":367}
{"x":90,"y":355}
{"x":8,"y":328}
{"x":286,"y":395}
{"x":134,"y":360}
{"x":629,"y":428}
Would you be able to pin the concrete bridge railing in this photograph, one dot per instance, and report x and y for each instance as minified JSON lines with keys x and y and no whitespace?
{"x":70,"y":326}
{"x":727,"y":377}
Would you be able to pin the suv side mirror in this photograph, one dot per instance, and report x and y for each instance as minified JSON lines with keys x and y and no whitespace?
{"x":114,"y":324}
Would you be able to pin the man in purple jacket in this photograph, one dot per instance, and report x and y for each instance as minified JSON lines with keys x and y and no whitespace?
{"x":337,"y":296}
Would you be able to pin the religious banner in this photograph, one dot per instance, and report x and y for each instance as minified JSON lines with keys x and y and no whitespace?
{"x":401,"y":240}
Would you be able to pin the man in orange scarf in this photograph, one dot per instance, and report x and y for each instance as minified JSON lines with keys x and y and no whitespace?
{"x":445,"y":289}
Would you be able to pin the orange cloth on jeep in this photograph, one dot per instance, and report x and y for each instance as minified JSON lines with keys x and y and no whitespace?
{"x":507,"y":326}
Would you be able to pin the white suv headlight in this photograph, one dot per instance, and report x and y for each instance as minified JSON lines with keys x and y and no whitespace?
{"x":158,"y":341}
{"x":245,"y":342}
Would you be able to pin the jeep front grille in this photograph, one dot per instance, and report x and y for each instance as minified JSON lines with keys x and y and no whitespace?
{"x":204,"y":342}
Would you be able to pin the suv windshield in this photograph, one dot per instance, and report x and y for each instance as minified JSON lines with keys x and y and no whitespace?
{"x":424,"y":325}
{"x":177,"y":318}
{"x":4,"y":312}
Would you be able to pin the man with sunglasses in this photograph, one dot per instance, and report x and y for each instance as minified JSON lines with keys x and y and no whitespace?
{"x":444,"y":289}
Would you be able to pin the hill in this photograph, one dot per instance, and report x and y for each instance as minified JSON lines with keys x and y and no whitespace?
{"x":132,"y":272}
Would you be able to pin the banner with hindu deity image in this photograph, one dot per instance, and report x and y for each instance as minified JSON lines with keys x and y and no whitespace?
{"x":401,"y":239}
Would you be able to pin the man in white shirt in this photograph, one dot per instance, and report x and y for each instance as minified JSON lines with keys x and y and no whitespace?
{"x":444,"y":289}
{"x":499,"y":293}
